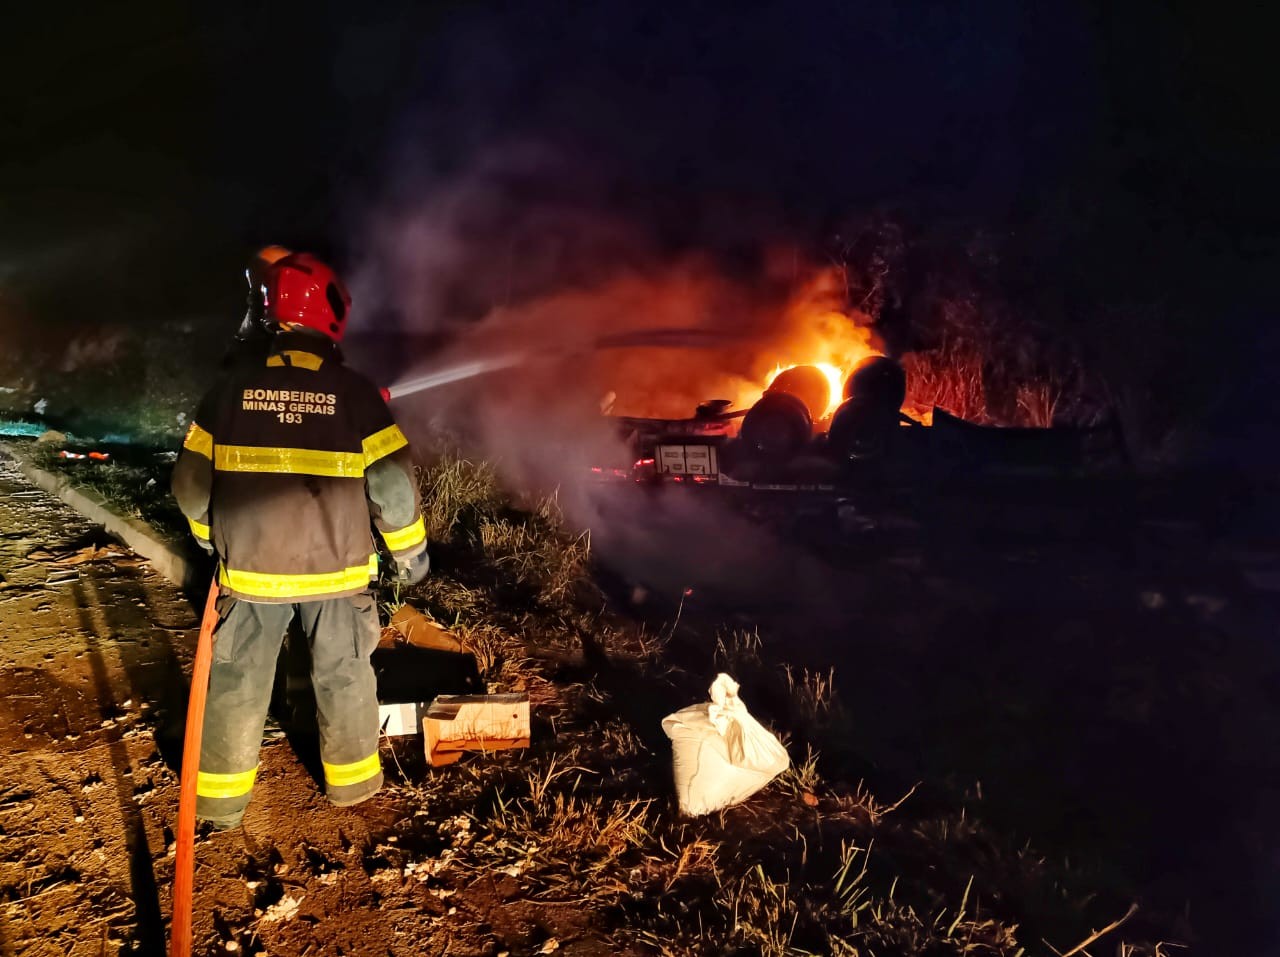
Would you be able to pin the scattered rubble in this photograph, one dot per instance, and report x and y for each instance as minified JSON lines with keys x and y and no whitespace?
{"x":284,"y":909}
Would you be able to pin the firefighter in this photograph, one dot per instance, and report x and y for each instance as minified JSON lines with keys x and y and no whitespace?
{"x":287,"y":461}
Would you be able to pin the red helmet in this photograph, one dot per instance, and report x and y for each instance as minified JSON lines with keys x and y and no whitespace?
{"x":303,"y":290}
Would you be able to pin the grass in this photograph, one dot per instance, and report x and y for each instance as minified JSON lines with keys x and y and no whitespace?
{"x":813,"y":694}
{"x":952,"y":378}
{"x":137,"y":485}
{"x":738,"y":649}
{"x":1038,"y":403}
{"x":814,"y":864}
{"x":521,"y":553}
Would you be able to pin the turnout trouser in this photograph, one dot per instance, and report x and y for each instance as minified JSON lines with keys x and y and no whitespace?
{"x":342,"y":633}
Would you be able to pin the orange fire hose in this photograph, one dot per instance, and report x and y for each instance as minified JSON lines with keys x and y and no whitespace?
{"x":184,"y":857}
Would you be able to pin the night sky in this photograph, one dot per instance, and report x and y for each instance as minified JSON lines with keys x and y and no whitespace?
{"x":144,"y":153}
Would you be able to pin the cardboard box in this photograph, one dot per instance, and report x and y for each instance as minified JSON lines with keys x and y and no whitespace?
{"x":457,"y":723}
{"x":421,"y":632}
{"x":399,"y":720}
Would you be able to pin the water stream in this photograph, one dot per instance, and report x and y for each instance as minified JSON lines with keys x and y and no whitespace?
{"x":471,"y":367}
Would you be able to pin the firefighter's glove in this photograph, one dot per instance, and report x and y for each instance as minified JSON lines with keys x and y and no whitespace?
{"x":410,"y":571}
{"x":207,"y":547}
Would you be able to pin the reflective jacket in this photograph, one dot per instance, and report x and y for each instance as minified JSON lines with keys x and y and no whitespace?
{"x":283,"y":467}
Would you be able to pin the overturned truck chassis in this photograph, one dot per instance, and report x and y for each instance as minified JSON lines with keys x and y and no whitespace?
{"x":786,"y":443}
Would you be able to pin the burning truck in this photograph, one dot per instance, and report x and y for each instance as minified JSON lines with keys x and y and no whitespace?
{"x":818,"y":428}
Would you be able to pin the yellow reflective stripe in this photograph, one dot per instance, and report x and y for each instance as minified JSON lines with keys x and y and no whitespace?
{"x":297,"y":359}
{"x":406,"y":537}
{"x":249,"y":458}
{"x":199,"y":529}
{"x":381,"y":444}
{"x":265,"y":585}
{"x":225,"y":785}
{"x":342,"y":775}
{"x":199,"y":441}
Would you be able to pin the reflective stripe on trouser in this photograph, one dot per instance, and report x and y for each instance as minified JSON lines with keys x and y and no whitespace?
{"x":342,"y":633}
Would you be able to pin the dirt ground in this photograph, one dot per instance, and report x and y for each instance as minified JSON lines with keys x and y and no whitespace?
{"x":93,"y":648}
{"x":91,"y":660}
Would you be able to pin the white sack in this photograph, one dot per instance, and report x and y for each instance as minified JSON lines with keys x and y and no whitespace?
{"x":720,"y":754}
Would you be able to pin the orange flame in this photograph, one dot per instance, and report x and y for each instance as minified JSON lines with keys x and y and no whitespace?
{"x":792,"y":318}
{"x":835,"y":380}
{"x":816,"y":328}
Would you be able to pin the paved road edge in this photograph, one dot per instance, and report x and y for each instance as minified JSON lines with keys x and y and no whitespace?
{"x":166,"y":557}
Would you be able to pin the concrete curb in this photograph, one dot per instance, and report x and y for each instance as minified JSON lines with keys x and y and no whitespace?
{"x":166,"y":557}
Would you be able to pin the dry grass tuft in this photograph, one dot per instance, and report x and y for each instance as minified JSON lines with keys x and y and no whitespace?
{"x":454,"y":487}
{"x":802,"y":777}
{"x":738,"y":651}
{"x":1038,"y":403}
{"x":556,"y":834}
{"x":950,"y":377}
{"x":489,"y":541}
{"x":812,"y":694}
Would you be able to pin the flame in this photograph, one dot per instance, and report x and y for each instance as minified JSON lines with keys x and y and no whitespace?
{"x":815,"y":328}
{"x":835,"y":380}
{"x":791,"y":317}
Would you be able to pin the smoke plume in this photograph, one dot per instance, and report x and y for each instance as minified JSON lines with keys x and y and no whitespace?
{"x":567,"y":311}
